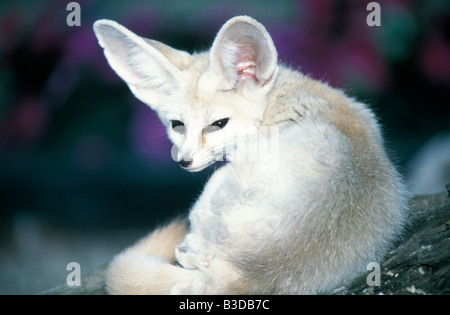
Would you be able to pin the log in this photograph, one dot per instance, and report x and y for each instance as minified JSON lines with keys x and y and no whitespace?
{"x":418,"y":264}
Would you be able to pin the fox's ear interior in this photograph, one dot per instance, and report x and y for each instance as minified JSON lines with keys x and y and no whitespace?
{"x":243,"y":50}
{"x":150,"y":68}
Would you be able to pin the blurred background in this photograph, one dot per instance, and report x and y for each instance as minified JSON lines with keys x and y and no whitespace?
{"x":85,"y":169}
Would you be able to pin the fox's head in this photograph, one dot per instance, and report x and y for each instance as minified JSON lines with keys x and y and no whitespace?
{"x":207,"y":100}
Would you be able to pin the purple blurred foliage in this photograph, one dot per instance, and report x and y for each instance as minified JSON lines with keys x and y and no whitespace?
{"x":331,"y":44}
{"x":435,"y":57}
{"x":9,"y":29}
{"x":208,"y":21}
{"x":25,"y":124}
{"x":148,"y":135}
{"x":144,"y":20}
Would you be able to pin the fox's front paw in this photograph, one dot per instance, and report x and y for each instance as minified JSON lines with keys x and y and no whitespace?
{"x":188,"y":259}
{"x":193,"y":287}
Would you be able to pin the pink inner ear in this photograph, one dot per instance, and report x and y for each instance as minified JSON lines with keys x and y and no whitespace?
{"x":247,"y":69}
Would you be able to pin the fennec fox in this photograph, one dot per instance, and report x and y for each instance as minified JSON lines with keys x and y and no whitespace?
{"x":303,"y":218}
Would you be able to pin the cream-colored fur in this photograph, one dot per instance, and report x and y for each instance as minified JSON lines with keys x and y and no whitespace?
{"x":304,"y":217}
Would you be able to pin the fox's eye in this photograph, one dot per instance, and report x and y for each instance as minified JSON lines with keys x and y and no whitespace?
{"x":178,"y":126}
{"x":218,"y":124}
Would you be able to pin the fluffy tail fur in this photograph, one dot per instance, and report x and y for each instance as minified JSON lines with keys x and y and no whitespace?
{"x":147,"y":267}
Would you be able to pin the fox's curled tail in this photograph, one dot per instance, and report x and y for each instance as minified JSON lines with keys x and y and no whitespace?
{"x":148,"y":266}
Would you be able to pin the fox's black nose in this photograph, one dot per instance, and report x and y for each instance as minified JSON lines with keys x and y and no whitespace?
{"x":184,"y":163}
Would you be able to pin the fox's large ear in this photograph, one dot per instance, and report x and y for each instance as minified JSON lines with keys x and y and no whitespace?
{"x":243,"y":50}
{"x":150,"y":68}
